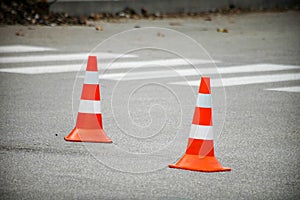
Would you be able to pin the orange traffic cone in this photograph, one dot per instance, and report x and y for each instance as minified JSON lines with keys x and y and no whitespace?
{"x":89,"y":119}
{"x":199,"y":155}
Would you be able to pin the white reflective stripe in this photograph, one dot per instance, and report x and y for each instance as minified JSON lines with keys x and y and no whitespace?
{"x":90,"y":106}
{"x":91,"y":77}
{"x":202,"y":132}
{"x":204,"y":100}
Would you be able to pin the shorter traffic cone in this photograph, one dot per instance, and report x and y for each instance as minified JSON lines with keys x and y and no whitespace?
{"x":89,"y":119}
{"x":199,"y":155}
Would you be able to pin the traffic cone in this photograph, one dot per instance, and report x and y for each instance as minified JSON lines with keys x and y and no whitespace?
{"x":199,"y":155}
{"x":89,"y":119}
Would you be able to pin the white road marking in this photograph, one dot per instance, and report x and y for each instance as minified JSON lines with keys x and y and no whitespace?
{"x":194,"y":72}
{"x":43,"y":69}
{"x":115,"y":65}
{"x":23,"y":49}
{"x":149,"y":74}
{"x":58,"y":57}
{"x":286,"y":89}
{"x":255,"y":68}
{"x":245,"y":80}
{"x":156,"y":63}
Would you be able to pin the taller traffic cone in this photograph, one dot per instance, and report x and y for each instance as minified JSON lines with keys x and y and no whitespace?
{"x":199,"y":155}
{"x":89,"y":119}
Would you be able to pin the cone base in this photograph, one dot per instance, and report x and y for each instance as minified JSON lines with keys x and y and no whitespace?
{"x":202,"y":164}
{"x":88,"y":135}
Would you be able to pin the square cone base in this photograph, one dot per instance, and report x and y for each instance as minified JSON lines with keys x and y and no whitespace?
{"x":88,"y":135}
{"x":197,"y":163}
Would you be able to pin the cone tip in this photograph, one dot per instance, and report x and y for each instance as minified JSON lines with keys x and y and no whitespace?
{"x":92,"y":64}
{"x":204,"y":85}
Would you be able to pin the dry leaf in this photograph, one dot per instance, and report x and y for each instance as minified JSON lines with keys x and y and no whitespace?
{"x":222,"y":30}
{"x":99,"y":28}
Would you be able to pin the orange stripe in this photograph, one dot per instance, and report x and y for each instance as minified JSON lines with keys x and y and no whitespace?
{"x":92,"y":64}
{"x":89,"y":121}
{"x":200,"y":147}
{"x":204,"y":85}
{"x":202,"y":116}
{"x":90,"y":92}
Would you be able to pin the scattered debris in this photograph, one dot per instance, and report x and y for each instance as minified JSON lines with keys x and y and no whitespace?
{"x":34,"y":12}
{"x":222,"y":30}
{"x":157,"y":14}
{"x":207,"y":18}
{"x":20,"y":33}
{"x":144,"y":12}
{"x":127,"y":13}
{"x":99,"y":28}
{"x":96,"y":16}
{"x":175,"y":24}
{"x":159,"y":34}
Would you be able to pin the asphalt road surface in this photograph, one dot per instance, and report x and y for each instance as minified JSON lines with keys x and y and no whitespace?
{"x":149,"y":80}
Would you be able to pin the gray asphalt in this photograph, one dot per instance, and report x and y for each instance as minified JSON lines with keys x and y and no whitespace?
{"x":259,"y":139}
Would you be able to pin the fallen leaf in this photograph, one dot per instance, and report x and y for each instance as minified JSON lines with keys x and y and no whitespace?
{"x":99,"y":28}
{"x":20,"y":33}
{"x":222,"y":30}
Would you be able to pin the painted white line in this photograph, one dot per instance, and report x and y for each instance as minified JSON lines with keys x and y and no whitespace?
{"x":43,"y":69}
{"x":58,"y":57}
{"x":156,"y":63}
{"x":116,"y":65}
{"x":194,"y":72}
{"x":148,"y":74}
{"x":286,"y":89}
{"x":245,"y":80}
{"x":201,"y":132}
{"x":255,"y":68}
{"x":151,"y":74}
{"x":23,"y":49}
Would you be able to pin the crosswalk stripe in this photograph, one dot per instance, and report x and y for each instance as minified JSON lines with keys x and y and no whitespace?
{"x":43,"y":69}
{"x":115,"y":65}
{"x":201,"y":70}
{"x":133,"y":75}
{"x":23,"y":49}
{"x":245,"y":80}
{"x":286,"y":89}
{"x":256,"y":68}
{"x":156,"y":63}
{"x":58,"y":57}
{"x":194,"y":72}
